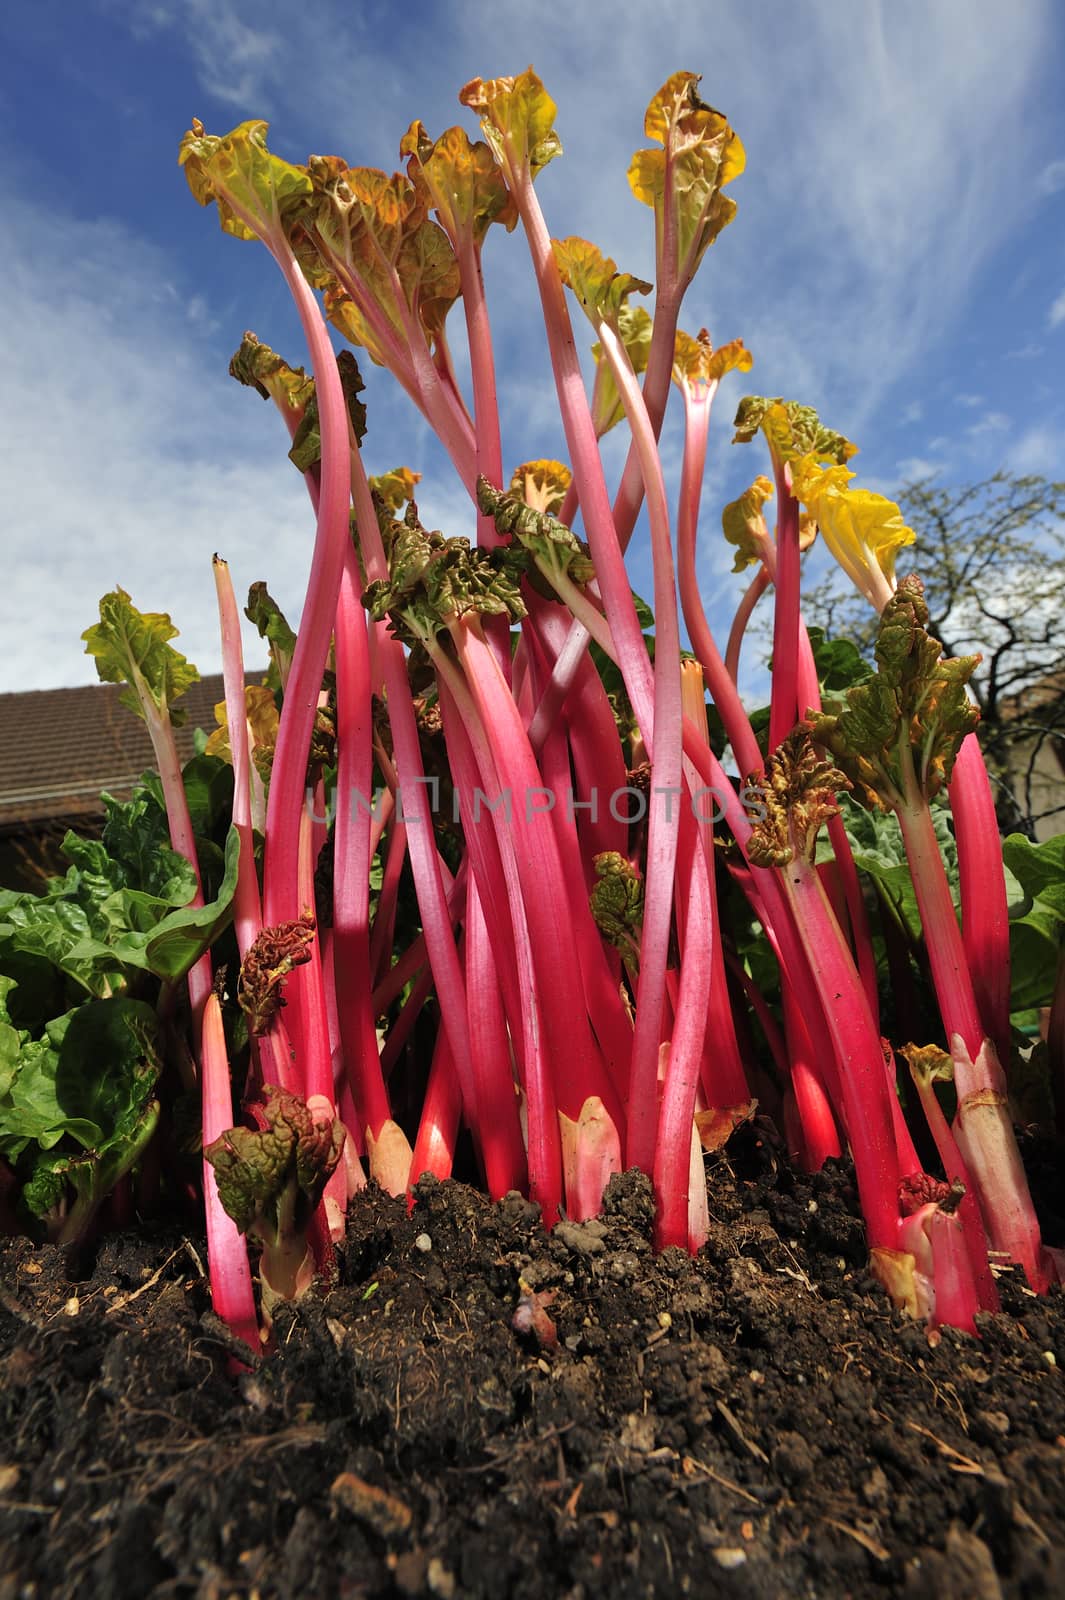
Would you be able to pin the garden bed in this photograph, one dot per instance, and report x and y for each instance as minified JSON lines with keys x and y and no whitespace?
{"x":755,"y":1421}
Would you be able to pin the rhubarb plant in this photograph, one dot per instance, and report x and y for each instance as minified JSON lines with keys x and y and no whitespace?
{"x":509,"y":853}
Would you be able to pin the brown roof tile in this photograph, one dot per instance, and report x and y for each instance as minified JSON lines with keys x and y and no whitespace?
{"x":60,"y":747}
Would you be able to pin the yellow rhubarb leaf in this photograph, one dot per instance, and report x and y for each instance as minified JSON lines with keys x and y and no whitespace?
{"x":258,"y":367}
{"x":700,"y":153}
{"x":634,"y":326}
{"x":696,"y":362}
{"x":595,"y":280}
{"x":395,"y":489}
{"x":542,"y":484}
{"x":790,"y":429}
{"x":744,"y":525}
{"x":257,"y":193}
{"x":517,"y":119}
{"x":460,"y":180}
{"x":864,"y":531}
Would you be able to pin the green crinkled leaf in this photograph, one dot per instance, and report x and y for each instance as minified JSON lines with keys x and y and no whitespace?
{"x":791,"y":429}
{"x":916,"y":699}
{"x":271,"y":1178}
{"x":263,"y":610}
{"x":10,"y":1040}
{"x":256,"y":192}
{"x":133,"y":648}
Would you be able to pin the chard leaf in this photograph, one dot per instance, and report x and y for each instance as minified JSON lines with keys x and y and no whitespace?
{"x":518,"y":121}
{"x":133,"y":648}
{"x":179,"y":939}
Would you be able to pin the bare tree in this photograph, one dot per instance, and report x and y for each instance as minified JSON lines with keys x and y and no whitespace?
{"x":990,"y":555}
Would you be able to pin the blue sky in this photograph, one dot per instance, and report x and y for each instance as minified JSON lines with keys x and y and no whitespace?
{"x":898,"y":260}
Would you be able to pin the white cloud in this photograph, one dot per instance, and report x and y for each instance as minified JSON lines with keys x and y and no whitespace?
{"x":1052,"y":178}
{"x":912,"y":469}
{"x":1056,"y":315}
{"x":1041,"y":449}
{"x":990,"y":422}
{"x":113,"y":422}
{"x":864,"y":213}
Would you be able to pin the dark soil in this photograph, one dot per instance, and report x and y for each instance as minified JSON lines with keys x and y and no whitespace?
{"x":755,"y":1422}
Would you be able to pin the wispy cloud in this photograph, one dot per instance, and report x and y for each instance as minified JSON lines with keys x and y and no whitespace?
{"x":1051,"y":179}
{"x":1056,"y":314}
{"x":881,"y":169}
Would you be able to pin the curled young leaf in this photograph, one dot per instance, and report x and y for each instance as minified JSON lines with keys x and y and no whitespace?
{"x":696,"y":363}
{"x":791,"y":430}
{"x":595,"y":280}
{"x":617,"y":903}
{"x":266,"y":966}
{"x":800,"y":793}
{"x":634,"y":327}
{"x":133,"y":648}
{"x":257,"y":193}
{"x":518,"y":120}
{"x":699,"y":155}
{"x":541,"y":484}
{"x":744,"y":526}
{"x":864,"y":531}
{"x":395,"y":489}
{"x":258,"y":367}
{"x":460,"y":180}
{"x":906,"y":723}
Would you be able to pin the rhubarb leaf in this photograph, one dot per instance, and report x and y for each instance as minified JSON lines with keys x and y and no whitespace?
{"x":697,"y":364}
{"x":914,"y":710}
{"x":553,"y":547}
{"x":634,"y":327}
{"x":257,"y":193}
{"x":744,"y":525}
{"x":461,"y":181}
{"x":595,"y":280}
{"x":518,"y":121}
{"x":792,"y":430}
{"x":864,"y":531}
{"x":133,"y":648}
{"x":541,"y":484}
{"x":800,"y":794}
{"x":258,"y":367}
{"x":699,"y":155}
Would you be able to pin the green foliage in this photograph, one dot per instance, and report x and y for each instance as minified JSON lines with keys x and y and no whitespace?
{"x":1037,"y":917}
{"x":77,"y":1105}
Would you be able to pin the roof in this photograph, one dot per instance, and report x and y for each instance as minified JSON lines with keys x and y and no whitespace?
{"x":59,"y":748}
